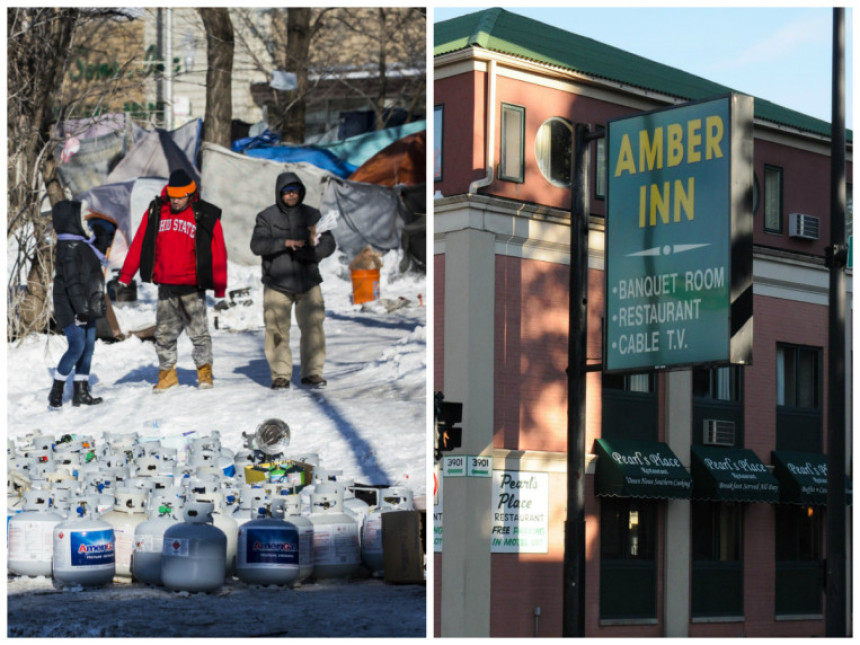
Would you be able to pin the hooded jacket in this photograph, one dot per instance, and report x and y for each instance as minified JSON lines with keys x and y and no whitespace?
{"x":185,"y":249}
{"x":284,"y":269}
{"x":79,"y":282}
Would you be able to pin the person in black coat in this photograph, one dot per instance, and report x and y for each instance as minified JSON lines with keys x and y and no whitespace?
{"x":79,"y":296}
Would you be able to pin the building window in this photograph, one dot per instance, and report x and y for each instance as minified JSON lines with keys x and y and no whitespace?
{"x":512,"y":167}
{"x":799,"y":559}
{"x":438,"y":118}
{"x":719,"y":384}
{"x":798,"y":398}
{"x":773,"y":199}
{"x":797,"y":376}
{"x":600,"y":166}
{"x":717,"y":568}
{"x":628,"y":536}
{"x":553,"y":151}
{"x":718,"y":411}
{"x":629,"y":407}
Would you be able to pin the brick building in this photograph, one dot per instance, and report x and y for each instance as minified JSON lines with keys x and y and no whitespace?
{"x":678,"y":553}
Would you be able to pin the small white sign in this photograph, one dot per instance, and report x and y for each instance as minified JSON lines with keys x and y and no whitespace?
{"x":454,"y":466}
{"x":520,"y":512}
{"x":479,"y":466}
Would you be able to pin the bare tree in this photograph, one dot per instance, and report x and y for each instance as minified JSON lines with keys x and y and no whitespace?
{"x":39,"y":44}
{"x":219,"y":57}
{"x":38,"y":41}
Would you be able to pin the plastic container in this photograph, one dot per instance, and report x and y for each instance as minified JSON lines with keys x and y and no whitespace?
{"x":365,"y":285}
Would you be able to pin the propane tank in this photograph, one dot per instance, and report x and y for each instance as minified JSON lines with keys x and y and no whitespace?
{"x":250,"y":500}
{"x":226,"y":523}
{"x":394,"y":498}
{"x":31,"y":536}
{"x":194,"y":552}
{"x":272,"y":549}
{"x":336,"y":549}
{"x":293,"y":514}
{"x":129,"y":510}
{"x":164,"y":512}
{"x":83,"y":552}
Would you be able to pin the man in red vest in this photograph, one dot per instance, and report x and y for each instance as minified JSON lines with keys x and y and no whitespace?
{"x":179,"y":246}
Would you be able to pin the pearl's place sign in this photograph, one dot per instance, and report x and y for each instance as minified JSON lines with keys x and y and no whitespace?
{"x":679,"y":236}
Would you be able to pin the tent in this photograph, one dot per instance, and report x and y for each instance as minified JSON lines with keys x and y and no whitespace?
{"x":158,"y":153}
{"x":404,"y":162}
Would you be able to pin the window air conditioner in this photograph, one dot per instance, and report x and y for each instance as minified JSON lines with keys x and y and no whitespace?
{"x":719,"y":432}
{"x":803,"y":226}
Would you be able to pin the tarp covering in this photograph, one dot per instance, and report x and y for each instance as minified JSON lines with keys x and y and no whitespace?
{"x":366,"y":215}
{"x":303,"y":154}
{"x":242,"y":186}
{"x":155,"y":155}
{"x":731,"y":475}
{"x":90,"y":165}
{"x":630,"y":468}
{"x":403,"y":162}
{"x":123,"y":203}
{"x":357,"y":150}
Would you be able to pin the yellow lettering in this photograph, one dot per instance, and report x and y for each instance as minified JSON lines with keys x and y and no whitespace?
{"x":642,"y":202}
{"x":625,"y":158}
{"x":659,"y":203}
{"x":685,"y":198}
{"x":713,"y":137}
{"x":675,"y":145}
{"x":694,"y":140}
{"x":650,"y":152}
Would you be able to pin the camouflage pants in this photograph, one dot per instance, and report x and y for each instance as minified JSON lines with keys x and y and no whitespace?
{"x":310,"y":313}
{"x":174,"y":314}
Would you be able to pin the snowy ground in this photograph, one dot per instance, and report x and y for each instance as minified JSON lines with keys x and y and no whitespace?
{"x":370,"y":423}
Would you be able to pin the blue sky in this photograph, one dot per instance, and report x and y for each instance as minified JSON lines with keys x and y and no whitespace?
{"x":782,"y":54}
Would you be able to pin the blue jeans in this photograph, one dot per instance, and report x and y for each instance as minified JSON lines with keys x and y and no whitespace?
{"x":82,"y":342}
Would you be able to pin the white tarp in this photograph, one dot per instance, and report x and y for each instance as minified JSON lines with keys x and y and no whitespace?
{"x":242,"y":186}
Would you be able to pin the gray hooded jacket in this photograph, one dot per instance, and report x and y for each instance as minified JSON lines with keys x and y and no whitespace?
{"x":288,"y":270}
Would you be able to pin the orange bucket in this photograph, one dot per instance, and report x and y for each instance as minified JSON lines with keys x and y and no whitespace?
{"x":365,"y":286}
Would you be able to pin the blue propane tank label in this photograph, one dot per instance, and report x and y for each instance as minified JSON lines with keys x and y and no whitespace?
{"x":272,"y":546}
{"x":91,"y":548}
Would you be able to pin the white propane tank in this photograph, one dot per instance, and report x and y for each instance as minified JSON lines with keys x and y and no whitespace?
{"x":129,"y":510}
{"x":293,"y":513}
{"x":31,"y":536}
{"x":194,"y":552}
{"x":274,"y":550}
{"x":149,"y":538}
{"x":83,"y":551}
{"x":336,"y":549}
{"x":250,"y":500}
{"x":394,"y":498}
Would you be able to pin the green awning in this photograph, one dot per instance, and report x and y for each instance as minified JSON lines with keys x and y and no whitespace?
{"x":802,"y":477}
{"x":731,"y":475}
{"x":628,"y":468}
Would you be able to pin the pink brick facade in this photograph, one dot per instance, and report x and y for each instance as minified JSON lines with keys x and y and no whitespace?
{"x":530,"y":345}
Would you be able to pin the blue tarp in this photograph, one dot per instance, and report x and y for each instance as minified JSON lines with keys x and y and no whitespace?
{"x":341,"y":158}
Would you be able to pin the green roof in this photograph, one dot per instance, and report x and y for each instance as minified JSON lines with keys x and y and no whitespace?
{"x":509,"y":33}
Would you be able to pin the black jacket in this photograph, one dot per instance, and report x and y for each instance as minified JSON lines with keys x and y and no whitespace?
{"x":288,"y":270}
{"x":79,"y":282}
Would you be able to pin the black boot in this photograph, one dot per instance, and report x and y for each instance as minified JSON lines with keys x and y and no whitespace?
{"x":81,"y":394}
{"x":55,"y":398}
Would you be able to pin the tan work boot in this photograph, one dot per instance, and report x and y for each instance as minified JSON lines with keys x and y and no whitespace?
{"x":166,"y":379}
{"x":204,"y":377}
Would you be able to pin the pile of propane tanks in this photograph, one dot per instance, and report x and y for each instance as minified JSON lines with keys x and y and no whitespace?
{"x":178,"y":512}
